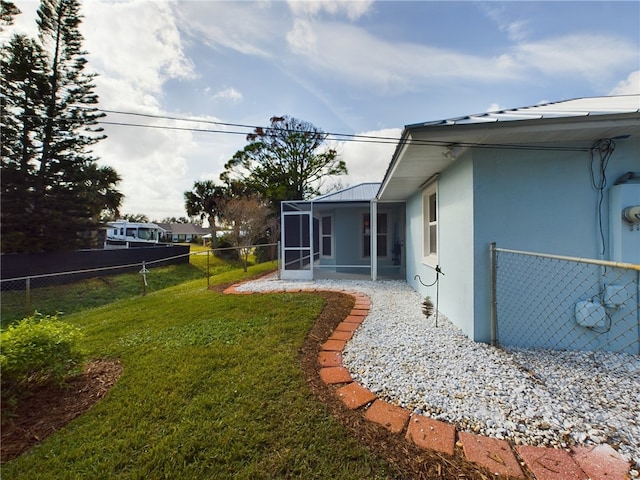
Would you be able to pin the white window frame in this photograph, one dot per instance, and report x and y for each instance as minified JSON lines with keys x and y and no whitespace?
{"x":386,"y":234}
{"x":430,"y":216}
{"x":323,"y":235}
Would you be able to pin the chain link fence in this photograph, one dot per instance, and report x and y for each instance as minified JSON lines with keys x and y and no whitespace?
{"x":49,"y":293}
{"x":563,"y":303}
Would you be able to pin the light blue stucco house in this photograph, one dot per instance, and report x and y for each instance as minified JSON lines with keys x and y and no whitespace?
{"x":335,"y":230}
{"x":540,"y":178}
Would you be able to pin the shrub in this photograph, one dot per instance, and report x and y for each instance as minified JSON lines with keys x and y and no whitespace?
{"x":38,"y":349}
{"x":225,"y":243}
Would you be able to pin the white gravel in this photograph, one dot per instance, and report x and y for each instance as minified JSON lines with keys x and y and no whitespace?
{"x":544,"y":398}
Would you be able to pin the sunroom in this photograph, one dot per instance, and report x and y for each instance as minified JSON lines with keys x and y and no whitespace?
{"x":334,"y":235}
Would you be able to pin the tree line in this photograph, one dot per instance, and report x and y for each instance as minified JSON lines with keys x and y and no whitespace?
{"x":53,"y":190}
{"x":55,"y":195}
{"x":289,"y":160}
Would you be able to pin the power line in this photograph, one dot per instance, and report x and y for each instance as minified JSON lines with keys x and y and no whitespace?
{"x":362,"y":138}
{"x":252,"y":127}
{"x":343,"y":137}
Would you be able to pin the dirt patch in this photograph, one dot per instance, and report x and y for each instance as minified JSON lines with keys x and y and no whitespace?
{"x":47,"y":408}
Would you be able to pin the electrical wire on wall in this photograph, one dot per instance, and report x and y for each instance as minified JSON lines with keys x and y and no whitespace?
{"x":602,"y":149}
{"x":427,"y":306}
{"x":601,"y":152}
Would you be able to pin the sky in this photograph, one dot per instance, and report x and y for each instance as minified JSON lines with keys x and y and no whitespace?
{"x":347,"y":67}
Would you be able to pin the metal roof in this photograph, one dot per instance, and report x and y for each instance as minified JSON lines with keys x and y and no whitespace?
{"x":578,"y":107}
{"x":362,"y":192}
{"x":426,"y":149}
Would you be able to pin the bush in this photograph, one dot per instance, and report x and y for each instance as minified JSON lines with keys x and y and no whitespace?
{"x":38,"y":349}
{"x":228,"y":251}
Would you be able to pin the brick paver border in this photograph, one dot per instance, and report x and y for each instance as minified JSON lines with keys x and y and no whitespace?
{"x":498,"y":456}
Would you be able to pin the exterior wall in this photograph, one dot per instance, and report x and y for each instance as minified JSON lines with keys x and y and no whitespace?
{"x":348,"y":238}
{"x":455,"y":245}
{"x":539,"y":201}
{"x":347,"y":249}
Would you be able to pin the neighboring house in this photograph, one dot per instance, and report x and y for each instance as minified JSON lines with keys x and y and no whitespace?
{"x":538,"y":178}
{"x":182,"y":232}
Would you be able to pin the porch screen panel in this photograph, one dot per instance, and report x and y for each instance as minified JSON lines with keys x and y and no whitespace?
{"x":297,"y":242}
{"x":381,"y":235}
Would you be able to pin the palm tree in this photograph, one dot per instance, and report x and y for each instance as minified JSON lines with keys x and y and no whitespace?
{"x":206,"y":201}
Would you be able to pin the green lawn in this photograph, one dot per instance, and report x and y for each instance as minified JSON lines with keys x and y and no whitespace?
{"x":212,"y":388}
{"x":103,"y":290}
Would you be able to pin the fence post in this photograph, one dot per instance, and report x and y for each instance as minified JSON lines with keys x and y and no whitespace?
{"x":208,"y":272}
{"x":493,"y":313}
{"x":144,"y":272}
{"x":28,"y":296}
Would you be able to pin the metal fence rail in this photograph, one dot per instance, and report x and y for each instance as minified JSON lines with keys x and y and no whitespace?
{"x":554,"y":302}
{"x":24,"y":293}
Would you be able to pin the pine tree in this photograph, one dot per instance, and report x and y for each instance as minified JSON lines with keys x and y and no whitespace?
{"x":57,"y":190}
{"x":285,"y":161}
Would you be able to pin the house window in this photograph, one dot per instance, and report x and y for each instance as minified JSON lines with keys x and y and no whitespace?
{"x":326,"y":236}
{"x":430,"y":225}
{"x":381,"y":234}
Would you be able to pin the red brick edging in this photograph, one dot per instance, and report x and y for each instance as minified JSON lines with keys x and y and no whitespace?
{"x":600,"y":462}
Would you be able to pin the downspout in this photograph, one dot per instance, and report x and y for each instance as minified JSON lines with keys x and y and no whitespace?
{"x":373,"y":215}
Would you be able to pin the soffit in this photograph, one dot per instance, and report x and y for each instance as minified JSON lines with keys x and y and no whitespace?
{"x":428,"y":149}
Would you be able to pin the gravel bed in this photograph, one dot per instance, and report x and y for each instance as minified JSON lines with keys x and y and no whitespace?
{"x":545,"y":398}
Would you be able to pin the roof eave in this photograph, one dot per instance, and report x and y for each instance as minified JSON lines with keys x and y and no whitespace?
{"x":441,"y":138}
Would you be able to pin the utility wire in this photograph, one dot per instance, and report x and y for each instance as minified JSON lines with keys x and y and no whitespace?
{"x":362,"y":139}
{"x":344,"y":137}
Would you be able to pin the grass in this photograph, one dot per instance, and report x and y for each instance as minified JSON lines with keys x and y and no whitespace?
{"x":212,"y":389}
{"x":103,"y":290}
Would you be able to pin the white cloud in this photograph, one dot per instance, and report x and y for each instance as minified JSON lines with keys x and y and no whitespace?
{"x":631,"y":85}
{"x":517,"y":30}
{"x":138,"y":42}
{"x":590,"y":56}
{"x":352,"y":9}
{"x":363,"y":60}
{"x":331,"y":48}
{"x":368,"y":161}
{"x":359,"y":58}
{"x":228,"y":94}
{"x":246,"y":27}
{"x":158,"y":164}
{"x":136,"y":47}
{"x":301,"y":38}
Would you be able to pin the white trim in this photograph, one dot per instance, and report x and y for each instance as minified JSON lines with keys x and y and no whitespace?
{"x":332,"y":236}
{"x":373,"y":224}
{"x":373,"y":259}
{"x":305,"y":273}
{"x":429,"y":221}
